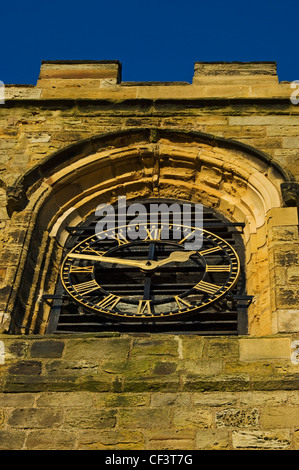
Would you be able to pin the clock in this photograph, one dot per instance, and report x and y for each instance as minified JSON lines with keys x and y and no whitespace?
{"x":149,"y":279}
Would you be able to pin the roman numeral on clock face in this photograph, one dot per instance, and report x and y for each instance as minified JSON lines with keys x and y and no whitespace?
{"x":210,"y":250}
{"x":207,"y":287}
{"x":85,"y":287}
{"x":218,"y":268}
{"x":81,"y":269}
{"x":109,"y":302}
{"x":87,"y":249}
{"x":144,"y":307}
{"x":121,"y":240}
{"x":153,"y":234}
{"x":181,"y":302}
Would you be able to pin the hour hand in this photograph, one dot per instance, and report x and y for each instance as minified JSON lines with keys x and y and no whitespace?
{"x":178,"y":256}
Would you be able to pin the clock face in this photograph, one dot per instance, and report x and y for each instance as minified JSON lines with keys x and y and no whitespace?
{"x":151,"y":279}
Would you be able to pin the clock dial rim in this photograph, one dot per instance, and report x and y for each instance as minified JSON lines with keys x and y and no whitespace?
{"x":180,"y":313}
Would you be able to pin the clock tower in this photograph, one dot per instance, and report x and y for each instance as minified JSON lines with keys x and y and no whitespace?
{"x":170,"y":321}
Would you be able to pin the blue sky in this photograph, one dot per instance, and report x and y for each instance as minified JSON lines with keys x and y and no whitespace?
{"x":155,"y":40}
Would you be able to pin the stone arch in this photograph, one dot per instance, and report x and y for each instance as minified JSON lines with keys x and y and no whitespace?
{"x":241,"y":183}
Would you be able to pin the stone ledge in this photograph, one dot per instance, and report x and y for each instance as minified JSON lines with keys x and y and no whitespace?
{"x":154,"y":362}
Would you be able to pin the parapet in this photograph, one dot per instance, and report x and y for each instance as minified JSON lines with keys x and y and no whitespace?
{"x":102,"y":80}
{"x":232,"y":72}
{"x":99,"y":73}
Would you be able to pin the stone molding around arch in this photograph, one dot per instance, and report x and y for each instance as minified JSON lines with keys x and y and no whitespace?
{"x":241,"y":183}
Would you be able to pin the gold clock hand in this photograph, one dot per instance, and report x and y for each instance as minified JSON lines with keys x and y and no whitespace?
{"x":179,"y":256}
{"x":148,"y":265}
{"x":109,"y":259}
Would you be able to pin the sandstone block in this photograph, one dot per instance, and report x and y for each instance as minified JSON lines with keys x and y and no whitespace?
{"x":17,"y":400}
{"x":35,"y":418}
{"x":291,"y":142}
{"x":259,"y":349}
{"x":47,"y":349}
{"x":119,"y":400}
{"x":170,"y":399}
{"x":215,"y":399}
{"x":267,"y":440}
{"x":237,"y":418}
{"x":12,"y":439}
{"x":171,"y":439}
{"x":97,"y":348}
{"x":89,"y":418}
{"x":26,"y":368}
{"x":63,"y":399}
{"x":168,"y":383}
{"x":132,"y":368}
{"x":287,"y":297}
{"x":191,"y":347}
{"x":50,"y":440}
{"x":280,"y":417}
{"x":144,"y":418}
{"x":110,"y":440}
{"x":71,"y":368}
{"x":198,"y":418}
{"x":201,"y":367}
{"x":155,"y":347}
{"x":209,"y":439}
{"x":221,"y":348}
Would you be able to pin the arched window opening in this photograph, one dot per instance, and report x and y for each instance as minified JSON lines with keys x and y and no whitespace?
{"x":200,"y":295}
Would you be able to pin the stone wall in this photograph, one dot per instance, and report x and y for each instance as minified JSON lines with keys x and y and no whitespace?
{"x":142,"y":392}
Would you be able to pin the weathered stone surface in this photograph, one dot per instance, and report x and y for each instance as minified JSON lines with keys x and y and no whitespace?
{"x":138,"y":367}
{"x":2,"y":417}
{"x":237,"y":418}
{"x":17,"y":400}
{"x":264,"y":348}
{"x":267,"y":440}
{"x":64,"y":399}
{"x":167,"y":346}
{"x":167,"y":383}
{"x":35,"y":418}
{"x":89,"y":418}
{"x":73,"y":368}
{"x":197,"y":418}
{"x":47,"y":348}
{"x":218,"y":348}
{"x":164,"y":368}
{"x":50,"y":440}
{"x":119,"y":400}
{"x":97,"y":348}
{"x":176,"y":400}
{"x":144,"y":418}
{"x":171,"y":440}
{"x":12,"y":439}
{"x":26,"y":368}
{"x":209,"y":439}
{"x":111,"y":440}
{"x":280,"y":417}
{"x":201,"y":368}
{"x":191,"y":347}
{"x":161,"y":402}
{"x":18,"y":348}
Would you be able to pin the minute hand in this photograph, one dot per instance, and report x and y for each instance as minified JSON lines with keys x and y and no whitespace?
{"x":179,"y":256}
{"x":110,"y":259}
